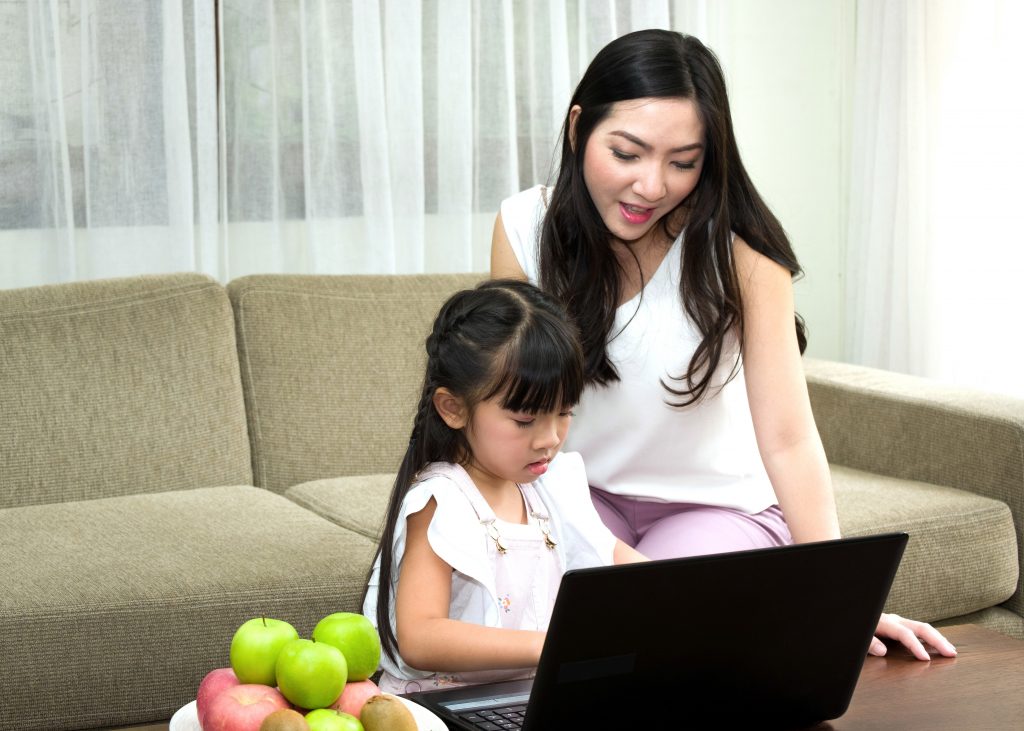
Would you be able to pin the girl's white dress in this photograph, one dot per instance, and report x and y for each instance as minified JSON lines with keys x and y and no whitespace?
{"x":514,"y":589}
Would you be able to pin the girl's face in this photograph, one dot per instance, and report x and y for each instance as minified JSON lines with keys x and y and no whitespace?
{"x":641,"y":161}
{"x":509,"y":446}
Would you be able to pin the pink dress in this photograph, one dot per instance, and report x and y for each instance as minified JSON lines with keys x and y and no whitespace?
{"x":527,"y":574}
{"x":512,"y":589}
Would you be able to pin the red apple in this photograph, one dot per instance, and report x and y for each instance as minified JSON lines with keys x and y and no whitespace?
{"x":354,"y":696}
{"x":210,"y":687}
{"x":243,"y":707}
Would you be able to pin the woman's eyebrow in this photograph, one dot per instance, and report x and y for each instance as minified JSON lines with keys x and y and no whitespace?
{"x":637,"y":141}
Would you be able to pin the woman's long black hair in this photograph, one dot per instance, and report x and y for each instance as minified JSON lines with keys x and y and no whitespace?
{"x":504,"y":339}
{"x":577,"y":264}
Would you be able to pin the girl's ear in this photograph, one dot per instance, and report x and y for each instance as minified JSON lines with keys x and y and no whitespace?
{"x":450,"y":408}
{"x":574,"y":114}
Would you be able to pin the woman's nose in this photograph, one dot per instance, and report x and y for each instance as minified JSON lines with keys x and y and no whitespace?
{"x":650,"y":183}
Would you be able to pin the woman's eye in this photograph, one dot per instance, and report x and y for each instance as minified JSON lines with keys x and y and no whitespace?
{"x":622,"y":155}
{"x":685,"y":165}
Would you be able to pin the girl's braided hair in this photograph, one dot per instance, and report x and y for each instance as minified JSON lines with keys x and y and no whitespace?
{"x":504,"y":339}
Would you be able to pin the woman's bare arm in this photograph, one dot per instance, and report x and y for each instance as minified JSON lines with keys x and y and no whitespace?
{"x":503,"y":260}
{"x":787,"y":436}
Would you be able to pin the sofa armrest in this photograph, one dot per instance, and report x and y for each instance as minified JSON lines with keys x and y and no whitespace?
{"x":918,"y":429}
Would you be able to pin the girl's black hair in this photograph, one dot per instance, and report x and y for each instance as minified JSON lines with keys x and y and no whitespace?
{"x":504,"y":339}
{"x":578,"y":266}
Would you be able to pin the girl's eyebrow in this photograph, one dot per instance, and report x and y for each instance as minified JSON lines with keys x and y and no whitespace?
{"x":637,"y":141}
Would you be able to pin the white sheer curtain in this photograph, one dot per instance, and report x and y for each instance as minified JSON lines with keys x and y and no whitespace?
{"x":106,"y":130}
{"x":382,"y":136}
{"x":935,"y":245}
{"x":347,"y":135}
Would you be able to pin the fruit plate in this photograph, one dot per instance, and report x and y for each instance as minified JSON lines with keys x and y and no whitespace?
{"x":185,"y":718}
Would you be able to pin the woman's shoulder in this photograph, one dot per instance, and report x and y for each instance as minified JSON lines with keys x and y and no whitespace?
{"x":526,"y":206}
{"x":539,"y":194}
{"x":756,"y":269}
{"x":521,"y":218}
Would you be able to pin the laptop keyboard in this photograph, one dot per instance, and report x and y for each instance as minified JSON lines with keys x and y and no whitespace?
{"x":493,"y":719}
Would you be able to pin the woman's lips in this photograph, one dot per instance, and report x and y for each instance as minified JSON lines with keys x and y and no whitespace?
{"x":636,"y":214}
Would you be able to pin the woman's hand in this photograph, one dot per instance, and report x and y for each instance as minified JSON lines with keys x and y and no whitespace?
{"x":910,"y":634}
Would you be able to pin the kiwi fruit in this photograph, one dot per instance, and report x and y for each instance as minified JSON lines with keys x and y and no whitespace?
{"x":385,"y":712}
{"x":284,"y":719}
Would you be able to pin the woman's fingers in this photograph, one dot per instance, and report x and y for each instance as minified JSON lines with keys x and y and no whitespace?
{"x":912,"y":635}
{"x":877,"y":647}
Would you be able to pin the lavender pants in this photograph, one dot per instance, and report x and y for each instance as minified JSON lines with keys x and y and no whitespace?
{"x":669,"y":530}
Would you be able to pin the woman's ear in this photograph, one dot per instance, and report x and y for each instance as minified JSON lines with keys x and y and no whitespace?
{"x":574,"y":115}
{"x":450,"y":408}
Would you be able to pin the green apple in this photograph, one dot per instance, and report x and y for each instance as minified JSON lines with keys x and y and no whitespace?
{"x":327,"y":719}
{"x":255,"y":647}
{"x":357,"y":639}
{"x":311,"y":674}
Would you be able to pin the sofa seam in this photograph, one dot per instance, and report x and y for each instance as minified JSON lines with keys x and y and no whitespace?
{"x":112,"y":304}
{"x":248,"y":394}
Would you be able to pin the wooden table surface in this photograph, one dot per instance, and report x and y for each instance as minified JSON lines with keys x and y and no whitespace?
{"x":982,"y":688}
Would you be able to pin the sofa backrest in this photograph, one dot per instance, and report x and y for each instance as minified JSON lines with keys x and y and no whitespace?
{"x":332,"y":367}
{"x":119,"y":387}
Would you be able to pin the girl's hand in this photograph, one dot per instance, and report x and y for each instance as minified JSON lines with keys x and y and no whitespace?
{"x":910,"y":634}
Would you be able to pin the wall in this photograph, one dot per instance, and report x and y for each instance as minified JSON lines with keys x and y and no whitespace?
{"x":789,"y":65}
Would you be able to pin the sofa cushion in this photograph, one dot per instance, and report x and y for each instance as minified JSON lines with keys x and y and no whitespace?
{"x":332,"y":367}
{"x":358,"y":502}
{"x":925,"y":430}
{"x":120,"y":606}
{"x":119,"y":386}
{"x":961,"y":556}
{"x":962,"y":552}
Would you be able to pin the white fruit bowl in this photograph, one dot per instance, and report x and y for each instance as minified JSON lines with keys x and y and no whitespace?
{"x":185,"y":718}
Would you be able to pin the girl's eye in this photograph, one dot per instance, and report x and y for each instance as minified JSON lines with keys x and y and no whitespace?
{"x":568,"y":413}
{"x":622,"y":155}
{"x":523,"y":423}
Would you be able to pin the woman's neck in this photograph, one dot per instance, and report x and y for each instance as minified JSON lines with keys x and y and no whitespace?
{"x":639,"y":260}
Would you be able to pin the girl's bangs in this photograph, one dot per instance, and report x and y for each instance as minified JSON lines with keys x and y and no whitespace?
{"x":540,"y":375}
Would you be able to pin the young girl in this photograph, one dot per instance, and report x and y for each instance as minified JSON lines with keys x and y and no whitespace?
{"x":485,"y":514}
{"x":695,"y":422}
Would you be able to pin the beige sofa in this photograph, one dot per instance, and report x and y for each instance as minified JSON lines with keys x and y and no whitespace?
{"x":177,"y":456}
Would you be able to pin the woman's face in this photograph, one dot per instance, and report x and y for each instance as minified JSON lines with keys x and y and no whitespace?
{"x":641,"y":161}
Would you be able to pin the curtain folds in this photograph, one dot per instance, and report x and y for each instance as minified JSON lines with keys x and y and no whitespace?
{"x":349,"y":136}
{"x":293,"y":136}
{"x":935,"y":255}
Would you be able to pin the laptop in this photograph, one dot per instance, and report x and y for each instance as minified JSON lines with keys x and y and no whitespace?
{"x":768,"y":638}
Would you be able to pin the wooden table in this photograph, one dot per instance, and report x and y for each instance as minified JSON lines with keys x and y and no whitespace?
{"x":981,"y":688}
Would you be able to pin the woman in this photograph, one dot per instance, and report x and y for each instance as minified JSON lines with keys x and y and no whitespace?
{"x":695,"y":426}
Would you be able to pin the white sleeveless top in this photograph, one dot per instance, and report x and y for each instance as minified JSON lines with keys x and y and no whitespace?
{"x":631,"y":440}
